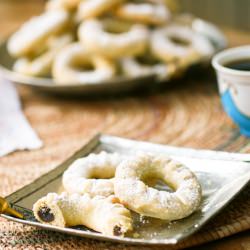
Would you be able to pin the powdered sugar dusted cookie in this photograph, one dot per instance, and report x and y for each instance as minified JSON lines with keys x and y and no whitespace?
{"x":141,"y":66}
{"x":41,"y":65}
{"x":132,"y":191}
{"x":92,"y":174}
{"x":93,"y":8}
{"x":94,"y":68}
{"x":100,"y":38}
{"x":99,"y":213}
{"x":147,"y":12}
{"x":35,"y":32}
{"x":180,"y":43}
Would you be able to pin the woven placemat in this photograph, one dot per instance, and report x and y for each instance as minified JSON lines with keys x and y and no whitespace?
{"x":188,"y":114}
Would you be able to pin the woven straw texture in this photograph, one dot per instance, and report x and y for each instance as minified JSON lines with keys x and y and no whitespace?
{"x":187,"y":114}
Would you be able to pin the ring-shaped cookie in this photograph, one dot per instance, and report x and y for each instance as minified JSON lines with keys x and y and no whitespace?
{"x":33,"y":34}
{"x":41,"y":65}
{"x":100,"y":38}
{"x":147,"y":12}
{"x":132,"y":191}
{"x":92,"y":174}
{"x":102,"y":214}
{"x":137,"y":66}
{"x":76,"y":65}
{"x":180,"y":43}
{"x":94,"y":8}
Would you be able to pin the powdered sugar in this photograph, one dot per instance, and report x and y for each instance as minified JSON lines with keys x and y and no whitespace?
{"x":99,"y":213}
{"x":131,"y":190}
{"x":92,"y":174}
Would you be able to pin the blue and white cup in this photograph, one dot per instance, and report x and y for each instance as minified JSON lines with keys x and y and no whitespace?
{"x":234,"y":86}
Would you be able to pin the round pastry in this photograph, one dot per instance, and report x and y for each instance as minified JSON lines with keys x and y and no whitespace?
{"x":142,"y":66}
{"x":34,"y":33}
{"x":101,"y":37}
{"x":94,"y":8}
{"x":101,"y":214}
{"x":181,"y":44}
{"x":41,"y":65}
{"x":147,"y":12}
{"x":69,"y":5}
{"x":92,"y":174}
{"x":130,"y":187}
{"x":76,"y":65}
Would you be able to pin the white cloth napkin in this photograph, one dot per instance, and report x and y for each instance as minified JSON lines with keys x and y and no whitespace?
{"x":15,"y":131}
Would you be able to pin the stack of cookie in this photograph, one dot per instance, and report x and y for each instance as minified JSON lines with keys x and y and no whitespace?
{"x":101,"y":189}
{"x":92,"y":41}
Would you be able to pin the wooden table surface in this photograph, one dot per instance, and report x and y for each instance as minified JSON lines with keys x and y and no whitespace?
{"x":14,"y":12}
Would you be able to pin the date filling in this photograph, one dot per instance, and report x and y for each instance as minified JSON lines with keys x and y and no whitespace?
{"x":45,"y":214}
{"x":117,"y":231}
